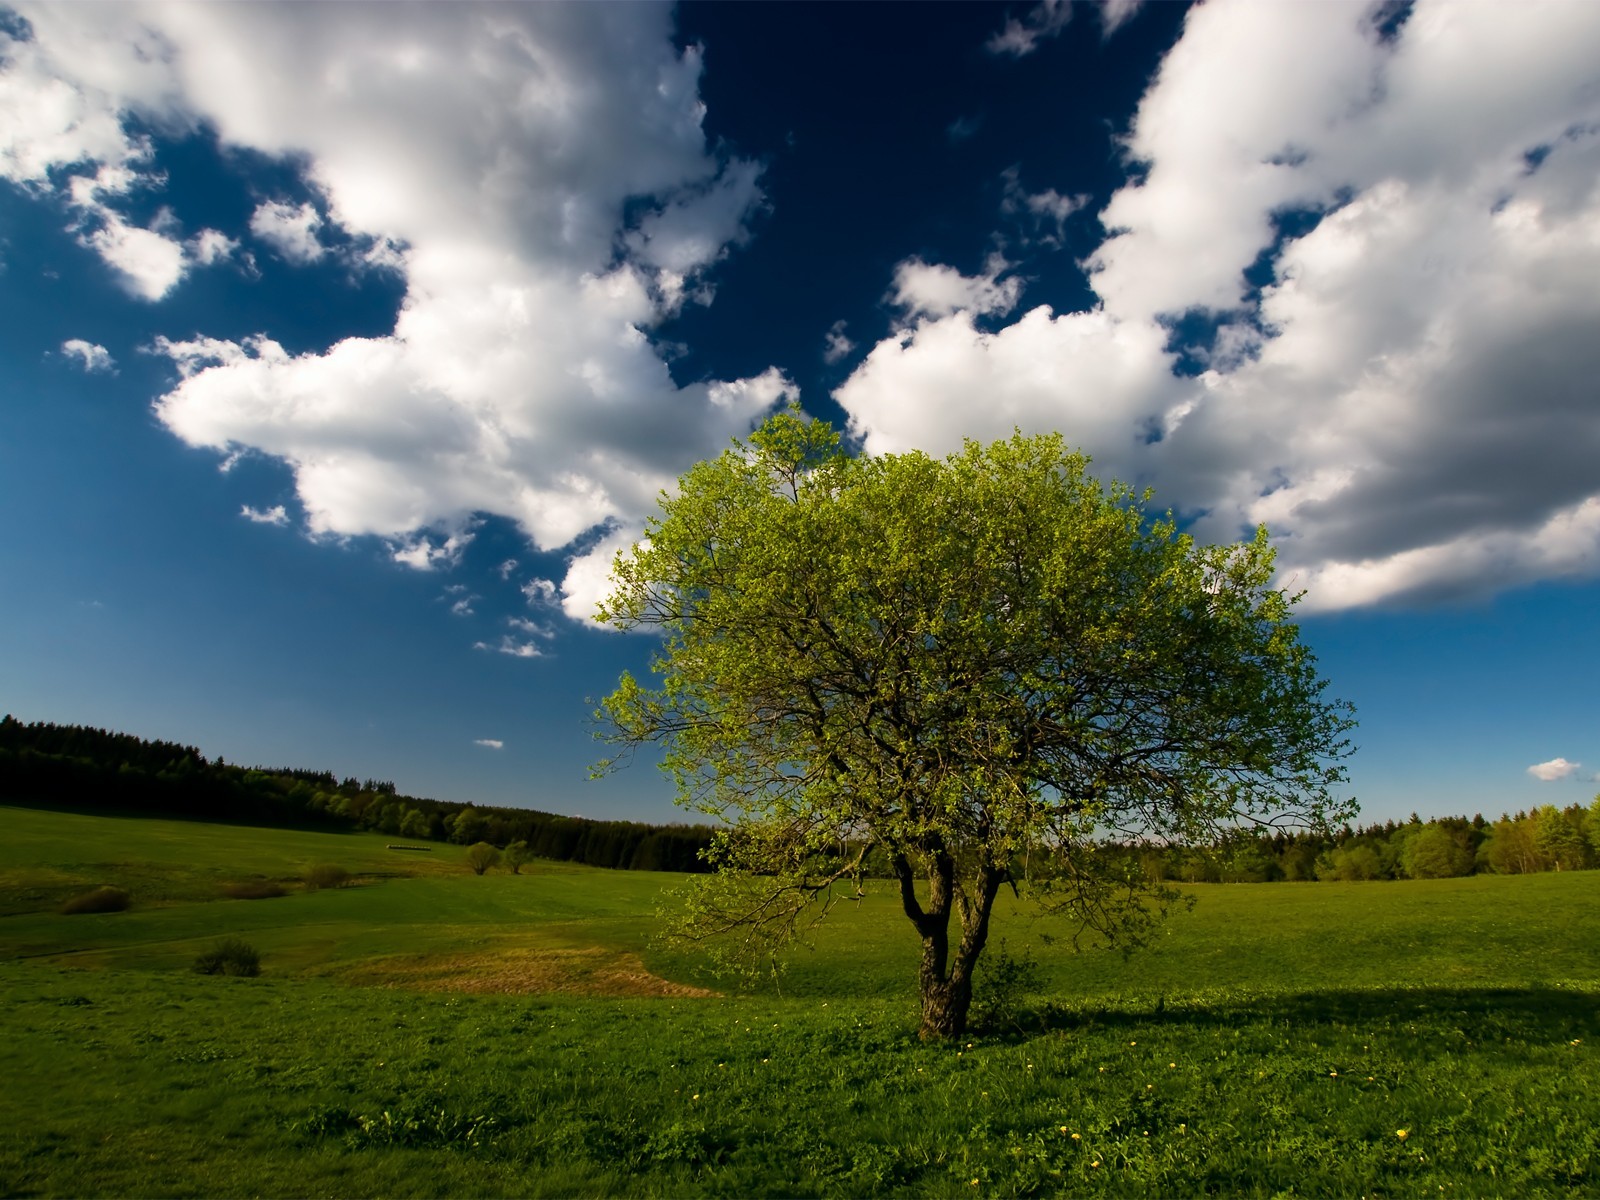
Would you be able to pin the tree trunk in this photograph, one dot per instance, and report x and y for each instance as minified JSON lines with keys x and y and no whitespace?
{"x":945,"y":1005}
{"x":945,"y":979}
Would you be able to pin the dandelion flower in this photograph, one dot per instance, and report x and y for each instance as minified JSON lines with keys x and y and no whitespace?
{"x":1077,"y":1137}
{"x":696,"y":1096}
{"x":1333,"y":1074}
{"x":1095,"y":1163}
{"x":1063,"y":1129}
{"x":1172,"y":1064}
{"x":1402,"y":1134}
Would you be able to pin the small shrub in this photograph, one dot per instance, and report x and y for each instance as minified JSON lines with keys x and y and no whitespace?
{"x":101,"y":900}
{"x":481,"y":856}
{"x":326,"y":875}
{"x":1004,"y":983}
{"x":254,"y":889}
{"x":230,"y":956}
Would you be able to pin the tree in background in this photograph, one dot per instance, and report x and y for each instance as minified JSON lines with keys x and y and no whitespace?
{"x":516,"y":854}
{"x":966,"y":665}
{"x":481,"y":856}
{"x":1433,"y":852}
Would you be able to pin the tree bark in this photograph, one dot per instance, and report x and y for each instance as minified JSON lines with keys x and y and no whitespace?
{"x":945,"y":980}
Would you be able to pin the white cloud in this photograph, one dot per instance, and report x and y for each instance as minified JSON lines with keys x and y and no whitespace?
{"x":211,"y":246}
{"x":1408,"y":402}
{"x":510,"y":645}
{"x":935,"y":290}
{"x":1556,"y":768}
{"x":422,"y":553}
{"x":835,"y":345}
{"x":1020,"y":37}
{"x":1114,"y":14}
{"x":1039,"y":209}
{"x":291,"y":231}
{"x":506,"y":568}
{"x":90,"y":356}
{"x":276,"y":515}
{"x":489,"y":743}
{"x":541,"y":592}
{"x":463,"y":606}
{"x":149,"y":264}
{"x":538,"y":174}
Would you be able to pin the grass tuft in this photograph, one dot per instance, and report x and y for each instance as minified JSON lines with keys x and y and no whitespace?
{"x":326,"y":875}
{"x":230,"y":956}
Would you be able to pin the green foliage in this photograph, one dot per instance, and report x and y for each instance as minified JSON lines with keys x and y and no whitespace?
{"x":103,"y":899}
{"x":961,"y":664}
{"x":516,"y":854}
{"x":230,"y":956}
{"x":327,"y":875}
{"x":1434,"y":853}
{"x":481,"y":856}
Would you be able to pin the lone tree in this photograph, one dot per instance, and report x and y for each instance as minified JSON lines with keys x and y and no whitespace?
{"x":481,"y":856}
{"x":976,"y":669}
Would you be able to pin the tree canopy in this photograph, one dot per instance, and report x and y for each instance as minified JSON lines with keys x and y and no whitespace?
{"x":975,"y":667}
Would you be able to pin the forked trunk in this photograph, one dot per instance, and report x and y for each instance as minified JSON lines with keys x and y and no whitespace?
{"x":945,"y":977}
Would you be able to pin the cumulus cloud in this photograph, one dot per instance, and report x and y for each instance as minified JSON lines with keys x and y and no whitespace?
{"x":91,"y":357}
{"x":489,"y":743}
{"x":290,"y":230}
{"x":1556,"y":768}
{"x":211,"y":246}
{"x":935,"y":290}
{"x":1401,"y":386}
{"x":538,"y":175}
{"x":1020,"y":36}
{"x":276,"y":515}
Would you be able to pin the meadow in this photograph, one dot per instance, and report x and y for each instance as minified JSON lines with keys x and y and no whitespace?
{"x":427,"y":1032}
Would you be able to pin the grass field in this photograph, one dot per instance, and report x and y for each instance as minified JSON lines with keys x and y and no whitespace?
{"x":430,"y":1032}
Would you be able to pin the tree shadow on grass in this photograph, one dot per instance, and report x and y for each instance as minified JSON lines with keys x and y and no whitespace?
{"x":1519,"y":1014}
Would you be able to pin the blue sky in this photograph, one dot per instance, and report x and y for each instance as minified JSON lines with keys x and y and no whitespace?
{"x":341,"y":345}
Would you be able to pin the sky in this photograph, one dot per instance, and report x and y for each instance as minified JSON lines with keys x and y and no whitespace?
{"x":342,"y":346}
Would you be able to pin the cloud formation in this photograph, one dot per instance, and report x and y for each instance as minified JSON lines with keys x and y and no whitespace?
{"x":538,"y":173}
{"x":276,"y":515}
{"x":291,"y":231}
{"x":1393,"y":236}
{"x":91,"y":356}
{"x":1556,"y":768}
{"x":489,"y":743}
{"x":1020,"y":36}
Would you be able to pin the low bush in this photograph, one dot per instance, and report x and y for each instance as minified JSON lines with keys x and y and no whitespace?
{"x":254,"y":889}
{"x":326,"y":875}
{"x":230,"y":956}
{"x":101,"y":900}
{"x":481,"y":856}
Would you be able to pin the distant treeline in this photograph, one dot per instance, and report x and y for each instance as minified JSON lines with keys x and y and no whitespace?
{"x":73,"y":766}
{"x":1546,"y":839}
{"x":77,"y":767}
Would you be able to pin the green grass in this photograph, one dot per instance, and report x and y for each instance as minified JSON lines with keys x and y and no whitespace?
{"x":1273,"y":1042}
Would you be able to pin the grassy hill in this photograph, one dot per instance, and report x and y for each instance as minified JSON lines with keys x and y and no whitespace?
{"x":427,"y":1031}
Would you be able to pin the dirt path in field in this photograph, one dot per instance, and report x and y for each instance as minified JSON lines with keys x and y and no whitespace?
{"x":588,"y":972}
